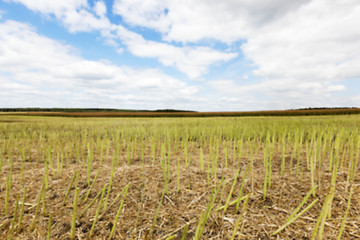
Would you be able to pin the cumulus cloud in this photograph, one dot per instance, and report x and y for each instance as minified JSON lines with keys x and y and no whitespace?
{"x":144,"y":13}
{"x":56,"y":7}
{"x":305,"y":56}
{"x":283,"y":38}
{"x":186,"y":21}
{"x":100,"y":8}
{"x":194,"y":61}
{"x":300,"y":51}
{"x":78,"y":17}
{"x":319,"y":42}
{"x":35,"y":67}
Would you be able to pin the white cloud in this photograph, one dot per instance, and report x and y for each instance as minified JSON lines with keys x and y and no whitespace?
{"x":194,"y":61}
{"x":190,"y":21}
{"x":100,"y":8}
{"x":56,"y":7}
{"x":301,"y":50}
{"x":319,"y":43}
{"x":144,"y":13}
{"x":77,"y":17}
{"x":84,"y":21}
{"x":282,"y":94}
{"x":38,"y":68}
{"x":119,"y":50}
{"x":24,"y":50}
{"x":305,"y":39}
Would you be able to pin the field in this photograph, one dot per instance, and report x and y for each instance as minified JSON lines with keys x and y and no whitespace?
{"x":180,"y":178}
{"x":90,"y":112}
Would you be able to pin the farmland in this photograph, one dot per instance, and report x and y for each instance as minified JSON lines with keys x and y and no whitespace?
{"x":292,"y":177}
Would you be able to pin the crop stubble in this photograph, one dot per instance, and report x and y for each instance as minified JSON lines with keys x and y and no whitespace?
{"x":127,"y":149}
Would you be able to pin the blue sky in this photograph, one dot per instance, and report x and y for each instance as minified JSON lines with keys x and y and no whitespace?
{"x":203,"y":55}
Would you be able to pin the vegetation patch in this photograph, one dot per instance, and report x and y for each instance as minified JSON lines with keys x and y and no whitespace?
{"x":183,"y":178}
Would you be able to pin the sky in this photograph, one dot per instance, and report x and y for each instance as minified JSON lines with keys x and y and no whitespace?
{"x":203,"y":55}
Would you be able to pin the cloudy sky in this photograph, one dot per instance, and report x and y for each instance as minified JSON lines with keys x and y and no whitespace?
{"x":205,"y":55}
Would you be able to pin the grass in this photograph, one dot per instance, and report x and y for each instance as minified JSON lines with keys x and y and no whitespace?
{"x":182,"y":178}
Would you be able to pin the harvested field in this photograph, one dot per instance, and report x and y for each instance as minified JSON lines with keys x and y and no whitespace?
{"x":174,"y":113}
{"x":219,"y":178}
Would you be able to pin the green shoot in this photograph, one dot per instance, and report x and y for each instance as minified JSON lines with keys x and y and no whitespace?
{"x":70,"y":185}
{"x":92,"y":201}
{"x":14,"y":218}
{"x":242,"y":214}
{"x":38,"y":205}
{"x":206,"y":214}
{"x":22,"y":211}
{"x":97,"y":213}
{"x":293,"y":219}
{"x":48,"y":237}
{"x":342,"y":227}
{"x":185,"y":232}
{"x":157,"y":213}
{"x":118,"y":213}
{"x":231,"y":191}
{"x":88,"y":192}
{"x":7,"y":195}
{"x":73,"y":222}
